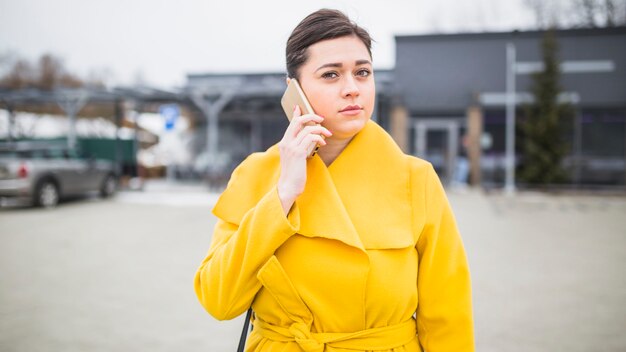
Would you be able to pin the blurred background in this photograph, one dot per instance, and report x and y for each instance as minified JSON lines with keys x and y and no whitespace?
{"x":121,"y":122}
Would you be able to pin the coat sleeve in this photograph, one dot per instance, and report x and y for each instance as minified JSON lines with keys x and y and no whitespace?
{"x":444,"y":312}
{"x":226,"y":282}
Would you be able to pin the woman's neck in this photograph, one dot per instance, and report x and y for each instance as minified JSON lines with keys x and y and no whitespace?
{"x":332,"y":149}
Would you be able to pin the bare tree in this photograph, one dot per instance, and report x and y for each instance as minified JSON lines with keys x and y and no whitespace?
{"x":578,"y":13}
{"x":615,"y":12}
{"x":598,"y":13}
{"x":588,"y":10}
{"x":20,"y":75}
{"x":50,"y":70}
{"x":49,"y":73}
{"x":610,"y":13}
{"x":548,"y":13}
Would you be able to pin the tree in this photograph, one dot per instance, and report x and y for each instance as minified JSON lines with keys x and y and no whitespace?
{"x":52,"y":74}
{"x":19,"y":76}
{"x":599,"y":13}
{"x":543,"y":126}
{"x":547,"y":13}
{"x":578,"y":13}
{"x":49,"y":73}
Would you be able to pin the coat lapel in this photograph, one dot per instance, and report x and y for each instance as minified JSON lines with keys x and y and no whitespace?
{"x":372,"y":177}
{"x":322,"y":213}
{"x":360,"y":200}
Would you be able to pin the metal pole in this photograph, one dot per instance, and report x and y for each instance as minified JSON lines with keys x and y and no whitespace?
{"x":577,"y":145}
{"x":11,"y":126}
{"x":453,"y":147}
{"x":214,"y":110}
{"x":137,"y":109}
{"x":72,"y":103}
{"x":420,"y":128}
{"x":256,"y":135}
{"x":71,"y":137}
{"x":509,"y":184}
{"x":212,"y":129}
{"x":118,"y":147}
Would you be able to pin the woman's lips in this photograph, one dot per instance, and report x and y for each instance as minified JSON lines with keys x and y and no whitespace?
{"x":351,"y":110}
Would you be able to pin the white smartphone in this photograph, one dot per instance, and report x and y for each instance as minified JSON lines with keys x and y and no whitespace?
{"x":294,"y":95}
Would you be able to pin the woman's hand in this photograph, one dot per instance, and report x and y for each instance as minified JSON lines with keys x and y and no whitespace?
{"x":302,"y":132}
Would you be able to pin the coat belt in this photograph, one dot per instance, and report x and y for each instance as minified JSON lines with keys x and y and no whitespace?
{"x":275,"y":280}
{"x":384,"y":338}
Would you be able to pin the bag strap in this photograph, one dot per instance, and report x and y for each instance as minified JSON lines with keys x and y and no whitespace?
{"x":244,"y":332}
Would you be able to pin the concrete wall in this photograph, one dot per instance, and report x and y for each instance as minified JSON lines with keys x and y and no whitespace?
{"x":441,"y":73}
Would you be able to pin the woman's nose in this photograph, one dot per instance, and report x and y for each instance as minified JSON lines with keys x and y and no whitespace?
{"x":350,"y":88}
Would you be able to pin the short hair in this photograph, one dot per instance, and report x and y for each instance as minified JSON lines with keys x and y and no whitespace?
{"x":321,"y":25}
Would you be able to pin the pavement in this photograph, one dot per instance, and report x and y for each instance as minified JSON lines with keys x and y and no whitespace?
{"x":117,"y":274}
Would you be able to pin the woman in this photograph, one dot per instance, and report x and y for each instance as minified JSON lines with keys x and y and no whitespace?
{"x":338,"y":252}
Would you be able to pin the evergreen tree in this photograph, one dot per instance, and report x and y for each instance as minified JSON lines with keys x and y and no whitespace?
{"x":545,"y":119}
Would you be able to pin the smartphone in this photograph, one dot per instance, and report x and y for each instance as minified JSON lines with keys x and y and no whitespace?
{"x":294,"y":95}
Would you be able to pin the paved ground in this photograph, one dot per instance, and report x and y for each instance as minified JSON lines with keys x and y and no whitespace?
{"x":116,"y":275}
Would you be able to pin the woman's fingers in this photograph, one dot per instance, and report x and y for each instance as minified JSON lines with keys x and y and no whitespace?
{"x":317,"y":130}
{"x":312,"y":138}
{"x":298,"y":122}
{"x":303,"y":133}
{"x":303,"y":121}
{"x":292,"y":126}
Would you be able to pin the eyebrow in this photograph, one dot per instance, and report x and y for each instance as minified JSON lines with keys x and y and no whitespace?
{"x":338,"y":64}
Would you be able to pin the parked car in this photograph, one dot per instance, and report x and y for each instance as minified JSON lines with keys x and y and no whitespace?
{"x":47,"y":174}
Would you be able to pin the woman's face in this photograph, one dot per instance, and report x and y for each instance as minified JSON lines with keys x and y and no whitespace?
{"x":338,"y":81}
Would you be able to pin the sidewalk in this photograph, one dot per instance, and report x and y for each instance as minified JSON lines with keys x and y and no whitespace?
{"x":547,"y":270}
{"x":117,"y":274}
{"x":169,"y":193}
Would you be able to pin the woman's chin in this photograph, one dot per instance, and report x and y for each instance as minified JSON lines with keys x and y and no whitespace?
{"x":348,"y":129}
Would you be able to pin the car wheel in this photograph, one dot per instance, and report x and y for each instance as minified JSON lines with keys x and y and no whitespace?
{"x":47,"y":194}
{"x":108,"y":187}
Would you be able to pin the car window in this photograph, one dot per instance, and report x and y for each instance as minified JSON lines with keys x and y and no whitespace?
{"x":9,"y":155}
{"x":36,"y":154}
{"x":55,"y":154}
{"x":72,"y":154}
{"x":52,"y":153}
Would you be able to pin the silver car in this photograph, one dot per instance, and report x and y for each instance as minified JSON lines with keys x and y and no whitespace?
{"x":45,"y":175}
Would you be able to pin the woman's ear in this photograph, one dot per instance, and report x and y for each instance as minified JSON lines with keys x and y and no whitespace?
{"x":287,"y":80}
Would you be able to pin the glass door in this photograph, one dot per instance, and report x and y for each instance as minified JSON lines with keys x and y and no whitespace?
{"x":436,"y":140}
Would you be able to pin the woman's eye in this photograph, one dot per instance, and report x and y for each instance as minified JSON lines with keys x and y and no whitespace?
{"x":330,"y":75}
{"x":363,"y":73}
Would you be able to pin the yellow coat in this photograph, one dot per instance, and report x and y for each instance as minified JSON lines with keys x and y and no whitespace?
{"x":370,"y":242}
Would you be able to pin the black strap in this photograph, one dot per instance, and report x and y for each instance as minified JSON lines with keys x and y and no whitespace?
{"x":244,"y":332}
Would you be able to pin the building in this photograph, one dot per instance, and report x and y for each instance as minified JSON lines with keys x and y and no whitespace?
{"x":442,"y":77}
{"x":443,"y":87}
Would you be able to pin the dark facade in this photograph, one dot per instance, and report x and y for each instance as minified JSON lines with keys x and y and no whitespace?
{"x":440,"y":76}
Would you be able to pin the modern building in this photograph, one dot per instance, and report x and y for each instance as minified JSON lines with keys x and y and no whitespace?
{"x":443,"y":79}
{"x":445,"y":87}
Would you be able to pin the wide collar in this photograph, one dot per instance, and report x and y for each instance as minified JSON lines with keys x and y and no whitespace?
{"x":361,"y":199}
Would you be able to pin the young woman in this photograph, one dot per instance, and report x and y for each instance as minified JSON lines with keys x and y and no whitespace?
{"x":354,"y":249}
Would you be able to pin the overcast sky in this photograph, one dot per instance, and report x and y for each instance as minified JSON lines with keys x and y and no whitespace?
{"x":161,"y":41}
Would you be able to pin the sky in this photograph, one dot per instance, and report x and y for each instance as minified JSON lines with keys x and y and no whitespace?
{"x":159,"y":42}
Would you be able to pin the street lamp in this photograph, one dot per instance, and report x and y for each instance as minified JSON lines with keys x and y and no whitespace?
{"x":509,"y":182}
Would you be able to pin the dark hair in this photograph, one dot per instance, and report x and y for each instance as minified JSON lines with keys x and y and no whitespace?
{"x":321,"y":25}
